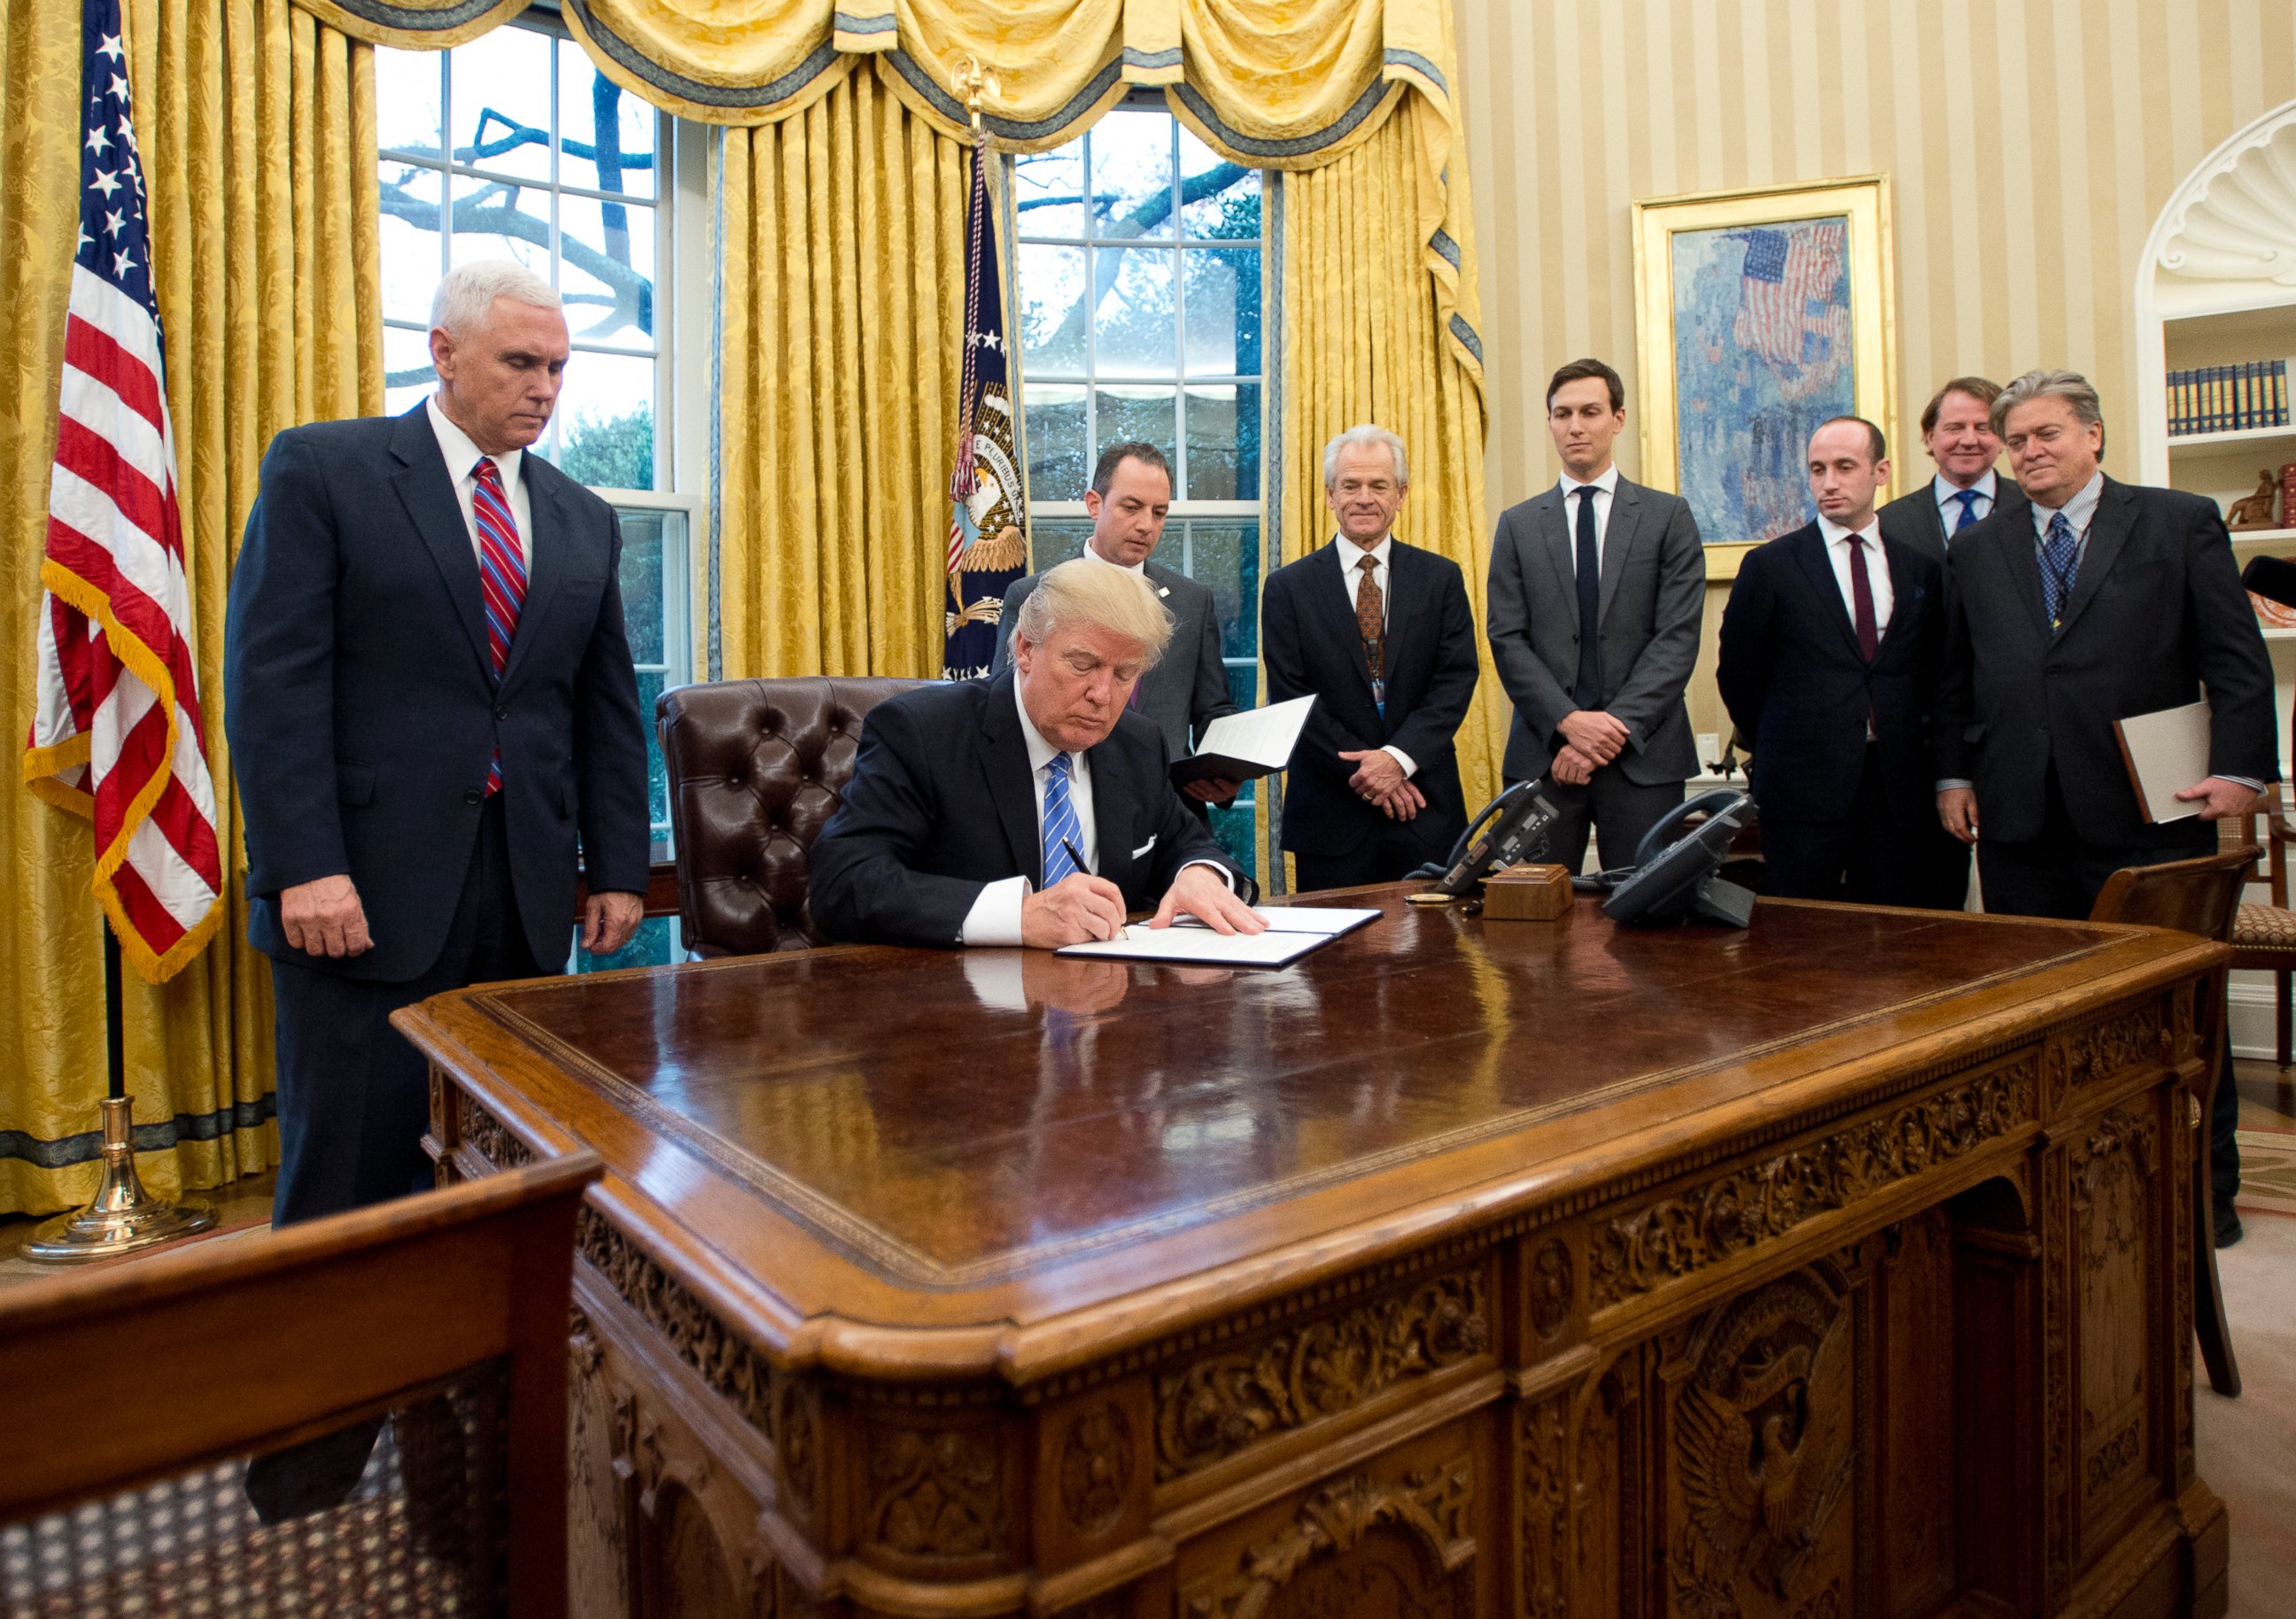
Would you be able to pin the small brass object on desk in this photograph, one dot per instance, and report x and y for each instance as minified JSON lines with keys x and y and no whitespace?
{"x":1527,"y":894}
{"x":1432,"y":896}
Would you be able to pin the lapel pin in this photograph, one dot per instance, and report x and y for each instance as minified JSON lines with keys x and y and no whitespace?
{"x":1163,"y":590}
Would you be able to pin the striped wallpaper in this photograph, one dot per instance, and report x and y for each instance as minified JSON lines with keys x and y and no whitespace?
{"x":2029,"y":145}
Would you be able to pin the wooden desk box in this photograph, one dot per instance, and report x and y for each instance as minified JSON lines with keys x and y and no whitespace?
{"x":1528,"y":894}
{"x":1834,"y":1267}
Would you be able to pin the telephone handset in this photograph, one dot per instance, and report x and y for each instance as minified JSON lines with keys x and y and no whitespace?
{"x":1674,"y":876}
{"x":1518,"y":820}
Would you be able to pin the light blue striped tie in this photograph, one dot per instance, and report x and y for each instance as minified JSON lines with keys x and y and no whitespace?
{"x":1061,"y":829}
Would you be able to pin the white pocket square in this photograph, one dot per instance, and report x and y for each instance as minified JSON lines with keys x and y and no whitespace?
{"x":1144,"y":848}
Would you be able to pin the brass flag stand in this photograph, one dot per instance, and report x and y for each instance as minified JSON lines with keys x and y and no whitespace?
{"x":123,"y":1217}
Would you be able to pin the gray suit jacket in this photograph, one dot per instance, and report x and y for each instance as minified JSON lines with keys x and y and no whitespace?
{"x":1913,"y":519}
{"x":1653,"y":604}
{"x":1189,"y":685}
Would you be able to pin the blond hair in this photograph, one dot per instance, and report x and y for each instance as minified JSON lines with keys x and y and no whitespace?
{"x":1083,"y":591}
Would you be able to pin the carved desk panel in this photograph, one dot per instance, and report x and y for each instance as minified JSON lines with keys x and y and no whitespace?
{"x":1833,"y":1267}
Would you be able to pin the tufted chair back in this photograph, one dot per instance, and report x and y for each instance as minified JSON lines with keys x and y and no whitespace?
{"x":756,"y":769}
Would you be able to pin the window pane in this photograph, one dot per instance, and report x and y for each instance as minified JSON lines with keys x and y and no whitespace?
{"x":606,"y":275}
{"x":1048,"y":191}
{"x":1053,"y":541}
{"x":1224,"y":443}
{"x":655,"y":944}
{"x":1225,"y":557}
{"x":650,"y":685}
{"x":409,"y":198}
{"x":1131,"y":413}
{"x":1223,"y":324}
{"x":1132,"y":173}
{"x":1057,"y":465}
{"x":1218,"y":198}
{"x":642,"y":585}
{"x":1051,"y":310}
{"x":1132,"y":311}
{"x":604,"y":423}
{"x":407,"y":99}
{"x":501,"y":83}
{"x":1244,"y":683}
{"x":406,"y":373}
{"x":1232,"y":824}
{"x":605,"y":135}
{"x":498,"y":221}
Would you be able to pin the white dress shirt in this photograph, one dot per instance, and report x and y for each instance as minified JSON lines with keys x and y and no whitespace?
{"x":1948,"y":499}
{"x":1138,"y":570}
{"x":1350,"y":557}
{"x":1606,"y":486}
{"x":995,"y":918}
{"x":462,"y":456}
{"x":1877,"y":567}
{"x":2079,"y":511}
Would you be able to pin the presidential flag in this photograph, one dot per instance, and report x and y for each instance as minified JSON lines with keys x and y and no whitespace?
{"x":987,"y":548}
{"x":116,"y":735}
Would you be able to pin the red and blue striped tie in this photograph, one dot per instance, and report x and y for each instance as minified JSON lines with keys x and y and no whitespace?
{"x":502,"y":576}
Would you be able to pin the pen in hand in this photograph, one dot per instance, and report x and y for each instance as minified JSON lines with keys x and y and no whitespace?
{"x":1077,"y":859}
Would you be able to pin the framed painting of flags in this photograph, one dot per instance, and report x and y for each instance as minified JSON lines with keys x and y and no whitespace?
{"x":1761,"y":313}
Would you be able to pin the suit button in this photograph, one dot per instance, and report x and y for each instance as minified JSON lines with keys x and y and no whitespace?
{"x":474,"y":798}
{"x":501,"y":714}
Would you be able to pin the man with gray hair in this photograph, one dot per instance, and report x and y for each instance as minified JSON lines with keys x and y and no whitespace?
{"x":1381,"y":634}
{"x":2101,"y":600}
{"x":1030,"y":807}
{"x":429,"y":695}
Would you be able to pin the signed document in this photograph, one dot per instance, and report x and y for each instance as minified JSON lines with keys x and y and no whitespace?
{"x":1292,"y":931}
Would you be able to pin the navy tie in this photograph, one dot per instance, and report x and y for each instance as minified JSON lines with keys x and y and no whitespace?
{"x":1586,"y":691}
{"x":2059,"y":559}
{"x":1968,"y":499}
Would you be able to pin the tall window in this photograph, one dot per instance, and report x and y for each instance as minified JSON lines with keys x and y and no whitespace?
{"x":1138,"y":262}
{"x":514,"y":146}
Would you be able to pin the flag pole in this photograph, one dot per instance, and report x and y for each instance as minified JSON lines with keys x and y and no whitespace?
{"x":122,"y":1217}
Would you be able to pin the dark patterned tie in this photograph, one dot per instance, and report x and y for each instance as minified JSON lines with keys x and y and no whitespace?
{"x":1371,"y":619}
{"x":1586,"y":691}
{"x":2059,"y":559}
{"x":1968,"y":499}
{"x":502,"y":576}
{"x":1861,"y":591}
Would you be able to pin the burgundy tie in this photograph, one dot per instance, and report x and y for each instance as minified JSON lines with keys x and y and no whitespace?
{"x":502,"y":576}
{"x":1861,"y":591}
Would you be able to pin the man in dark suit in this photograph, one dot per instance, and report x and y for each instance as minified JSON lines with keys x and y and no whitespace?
{"x":2102,"y":600}
{"x":1597,"y":594}
{"x":1186,"y":689}
{"x":1030,"y":807}
{"x":1829,"y":658}
{"x":1381,"y":635}
{"x":1957,"y":432}
{"x":428,"y":693}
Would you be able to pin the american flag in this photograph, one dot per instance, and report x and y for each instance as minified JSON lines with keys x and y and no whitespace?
{"x":116,"y":734}
{"x":987,"y":548}
{"x":1789,"y":310}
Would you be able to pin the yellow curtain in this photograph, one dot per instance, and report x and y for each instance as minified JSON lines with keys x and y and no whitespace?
{"x":841,"y":249}
{"x":256,"y":127}
{"x":1366,"y":336}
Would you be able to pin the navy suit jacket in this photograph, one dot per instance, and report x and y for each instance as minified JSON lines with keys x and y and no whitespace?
{"x":2157,"y":616}
{"x":362,"y":707}
{"x":940,"y":805}
{"x":1799,"y":691}
{"x":1912,"y":520}
{"x":1309,"y":638}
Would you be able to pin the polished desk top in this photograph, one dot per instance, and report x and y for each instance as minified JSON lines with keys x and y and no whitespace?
{"x":1005,"y":1154}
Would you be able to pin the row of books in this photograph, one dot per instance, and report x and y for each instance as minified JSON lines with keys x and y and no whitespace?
{"x":2228,"y":398}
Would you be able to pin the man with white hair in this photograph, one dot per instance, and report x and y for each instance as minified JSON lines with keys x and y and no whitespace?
{"x":1030,"y":807}
{"x":429,"y":694}
{"x":1381,"y":634}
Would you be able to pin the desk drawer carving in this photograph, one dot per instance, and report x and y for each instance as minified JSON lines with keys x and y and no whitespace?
{"x":1219,"y":1405}
{"x":1680,"y":1235}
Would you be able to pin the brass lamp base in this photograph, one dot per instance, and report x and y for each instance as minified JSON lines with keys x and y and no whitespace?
{"x":123,"y":1217}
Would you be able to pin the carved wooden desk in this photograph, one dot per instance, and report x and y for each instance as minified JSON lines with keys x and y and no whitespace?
{"x":1834,"y":1267}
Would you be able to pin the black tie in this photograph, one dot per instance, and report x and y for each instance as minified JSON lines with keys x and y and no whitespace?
{"x":1588,"y":691}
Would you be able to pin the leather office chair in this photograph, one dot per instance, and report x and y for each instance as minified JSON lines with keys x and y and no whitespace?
{"x":2199,"y":896}
{"x":138,"y":1392}
{"x":2264,"y":935}
{"x":756,"y":769}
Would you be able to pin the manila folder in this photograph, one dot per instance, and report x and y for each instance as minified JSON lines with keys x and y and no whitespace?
{"x":2166,"y":751}
{"x":1240,"y":747}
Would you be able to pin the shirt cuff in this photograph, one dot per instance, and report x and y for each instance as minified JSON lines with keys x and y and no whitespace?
{"x":1952,"y":782}
{"x":2249,"y":782}
{"x":1224,"y":874}
{"x":1403,"y":759}
{"x":995,"y":918}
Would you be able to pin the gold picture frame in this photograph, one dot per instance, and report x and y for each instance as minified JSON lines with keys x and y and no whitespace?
{"x":1754,"y":261}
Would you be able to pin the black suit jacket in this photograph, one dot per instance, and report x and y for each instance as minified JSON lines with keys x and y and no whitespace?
{"x":940,"y":805}
{"x":1913,"y":520}
{"x":1309,"y":638}
{"x":2157,"y":614}
{"x":361,"y":703}
{"x":1799,"y":691}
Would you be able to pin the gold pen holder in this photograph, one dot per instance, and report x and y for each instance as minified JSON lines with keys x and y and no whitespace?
{"x":123,"y":1217}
